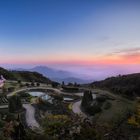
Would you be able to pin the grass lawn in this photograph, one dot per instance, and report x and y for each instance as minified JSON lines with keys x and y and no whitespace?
{"x":117,"y":109}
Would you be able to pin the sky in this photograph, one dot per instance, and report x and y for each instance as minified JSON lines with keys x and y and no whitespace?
{"x":99,"y":38}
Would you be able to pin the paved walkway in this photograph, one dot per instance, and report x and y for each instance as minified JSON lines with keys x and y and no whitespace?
{"x":30,"y":88}
{"x":3,"y":106}
{"x":30,"y":110}
{"x":30,"y":116}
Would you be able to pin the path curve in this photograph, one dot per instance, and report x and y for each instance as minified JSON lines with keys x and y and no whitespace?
{"x":30,"y":116}
{"x":30,"y":111}
{"x":76,"y":108}
{"x":26,"y":89}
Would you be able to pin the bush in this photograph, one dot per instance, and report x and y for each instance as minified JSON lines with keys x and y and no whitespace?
{"x":37,"y":84}
{"x":107,"y":105}
{"x":55,"y":84}
{"x":11,"y":89}
{"x":2,"y":123}
{"x":10,"y":117}
{"x":58,"y":97}
{"x":25,"y":95}
{"x":27,"y":84}
{"x":101,"y":99}
{"x":15,"y":104}
{"x":70,"y":89}
{"x":32,"y":84}
{"x":92,"y":110}
{"x":87,"y":99}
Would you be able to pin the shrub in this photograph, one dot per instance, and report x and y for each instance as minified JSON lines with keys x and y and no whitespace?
{"x":101,"y":99}
{"x":92,"y":110}
{"x":25,"y":95}
{"x":107,"y":105}
{"x":15,"y":104}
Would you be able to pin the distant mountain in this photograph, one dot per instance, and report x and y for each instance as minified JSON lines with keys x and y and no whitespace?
{"x":58,"y":75}
{"x":51,"y":73}
{"x":24,"y":76}
{"x":72,"y":80}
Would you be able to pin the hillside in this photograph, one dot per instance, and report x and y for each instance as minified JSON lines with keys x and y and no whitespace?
{"x":24,"y":76}
{"x":127,"y":85}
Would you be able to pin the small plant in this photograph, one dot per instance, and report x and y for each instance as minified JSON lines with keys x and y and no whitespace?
{"x":107,"y":105}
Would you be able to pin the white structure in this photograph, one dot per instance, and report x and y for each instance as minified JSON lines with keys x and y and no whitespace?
{"x":2,"y":81}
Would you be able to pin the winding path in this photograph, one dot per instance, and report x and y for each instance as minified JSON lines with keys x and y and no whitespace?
{"x":30,"y":110}
{"x":77,"y":109}
{"x":30,"y":116}
{"x":30,"y":88}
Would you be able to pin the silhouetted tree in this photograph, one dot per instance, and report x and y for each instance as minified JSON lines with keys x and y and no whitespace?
{"x":87,"y":98}
{"x":37,"y":84}
{"x":15,"y":104}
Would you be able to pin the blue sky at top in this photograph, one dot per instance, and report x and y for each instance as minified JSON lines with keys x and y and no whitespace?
{"x":69,"y":31}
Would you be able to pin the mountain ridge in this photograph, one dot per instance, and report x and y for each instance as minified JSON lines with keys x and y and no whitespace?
{"x":128,"y":85}
{"x":58,"y":75}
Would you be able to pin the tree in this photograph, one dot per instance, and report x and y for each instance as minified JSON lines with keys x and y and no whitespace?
{"x":63,"y":83}
{"x":11,"y":89}
{"x":4,"y":90}
{"x":32,"y":84}
{"x":27,"y":84}
{"x":75,"y":84}
{"x":15,"y":104}
{"x":37,"y":84}
{"x":87,"y":99}
{"x":19,"y":81}
{"x":55,"y":84}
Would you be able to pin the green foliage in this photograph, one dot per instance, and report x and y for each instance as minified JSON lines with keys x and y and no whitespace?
{"x":37,"y":84}
{"x":126,"y":85}
{"x":53,"y":124}
{"x":32,"y":84}
{"x":11,"y":89}
{"x":55,"y":84}
{"x":24,"y":95}
{"x":58,"y":97}
{"x":33,"y":136}
{"x":19,"y":81}
{"x":24,"y":76}
{"x":15,"y":104}
{"x":87,"y":133}
{"x":107,"y":105}
{"x":7,"y":74}
{"x":89,"y":105}
{"x":70,"y":89}
{"x":27,"y":84}
{"x":101,"y":99}
{"x":10,"y":117}
{"x":2,"y":123}
{"x":92,"y":110}
{"x":87,"y":99}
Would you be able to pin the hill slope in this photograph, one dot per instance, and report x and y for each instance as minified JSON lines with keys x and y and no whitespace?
{"x":128,"y":85}
{"x":24,"y":76}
